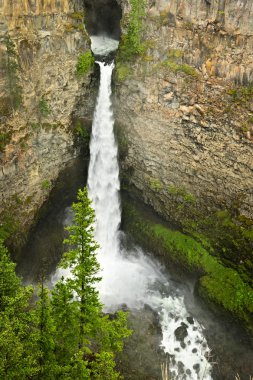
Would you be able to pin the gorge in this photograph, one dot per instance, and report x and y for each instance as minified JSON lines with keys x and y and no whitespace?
{"x":183,"y":107}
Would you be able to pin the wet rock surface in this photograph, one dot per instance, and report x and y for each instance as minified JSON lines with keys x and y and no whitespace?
{"x":142,"y":356}
{"x":181,"y":333}
{"x":44,"y":247}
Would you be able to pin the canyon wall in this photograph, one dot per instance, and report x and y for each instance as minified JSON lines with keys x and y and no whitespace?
{"x":184,"y":108}
{"x":40,"y":93}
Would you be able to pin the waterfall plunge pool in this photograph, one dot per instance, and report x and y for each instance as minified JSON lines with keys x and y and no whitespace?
{"x":141,"y":358}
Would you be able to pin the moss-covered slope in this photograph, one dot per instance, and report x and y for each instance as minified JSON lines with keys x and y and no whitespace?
{"x":218,"y":284}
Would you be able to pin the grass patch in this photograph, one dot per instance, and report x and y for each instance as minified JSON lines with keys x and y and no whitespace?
{"x":250,"y":120}
{"x":46,"y":184}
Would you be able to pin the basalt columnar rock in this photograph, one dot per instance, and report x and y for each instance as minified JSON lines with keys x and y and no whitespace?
{"x":184,"y":108}
{"x":184,"y":117}
{"x":40,"y":95}
{"x":183,"y":104}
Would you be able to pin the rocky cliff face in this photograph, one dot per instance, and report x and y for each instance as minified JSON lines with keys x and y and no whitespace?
{"x":184,"y":108}
{"x":39,"y":94}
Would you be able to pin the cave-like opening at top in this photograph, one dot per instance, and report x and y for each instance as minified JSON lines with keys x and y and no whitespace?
{"x":102,"y":17}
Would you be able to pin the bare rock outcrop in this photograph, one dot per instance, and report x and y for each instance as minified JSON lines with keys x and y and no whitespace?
{"x":39,"y":44}
{"x":184,"y":110}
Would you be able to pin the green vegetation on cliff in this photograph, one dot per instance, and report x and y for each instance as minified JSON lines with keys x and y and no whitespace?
{"x":218,"y":284}
{"x":65,"y":334}
{"x":131,"y":44}
{"x":226,"y":234}
{"x":174,"y":62}
{"x":84,"y":63}
{"x":5,"y":138}
{"x":43,"y":107}
{"x":13,"y":88}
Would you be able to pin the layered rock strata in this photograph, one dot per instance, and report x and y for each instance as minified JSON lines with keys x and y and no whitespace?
{"x":39,"y":44}
{"x":184,"y":108}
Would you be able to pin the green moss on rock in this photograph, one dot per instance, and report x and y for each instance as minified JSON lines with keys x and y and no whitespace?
{"x":122,"y":71}
{"x":218,"y":284}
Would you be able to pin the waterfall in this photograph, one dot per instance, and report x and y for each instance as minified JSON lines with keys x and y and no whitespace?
{"x":103,"y":176}
{"x":131,"y":277}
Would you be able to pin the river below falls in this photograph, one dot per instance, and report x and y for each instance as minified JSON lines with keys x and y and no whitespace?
{"x":230,"y":353}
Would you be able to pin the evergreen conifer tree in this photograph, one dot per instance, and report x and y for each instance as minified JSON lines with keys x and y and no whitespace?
{"x":65,"y":335}
{"x":44,"y":335}
{"x":99,"y":336}
{"x":17,"y":356}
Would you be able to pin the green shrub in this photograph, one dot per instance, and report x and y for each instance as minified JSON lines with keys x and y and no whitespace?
{"x":77,"y":16}
{"x":84,"y":63}
{"x":8,"y":225}
{"x":44,"y":108}
{"x":45,"y":184}
{"x":5,"y":138}
{"x":188,"y":70}
{"x":5,"y":106}
{"x":163,"y":18}
{"x":81,"y":132}
{"x":131,"y":44}
{"x":12,"y":81}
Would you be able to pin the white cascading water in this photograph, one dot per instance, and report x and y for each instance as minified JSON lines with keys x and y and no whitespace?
{"x":131,"y":277}
{"x":103,"y":177}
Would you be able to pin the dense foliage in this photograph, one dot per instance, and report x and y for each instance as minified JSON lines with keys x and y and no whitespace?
{"x":131,"y":44}
{"x":84,"y":63}
{"x":65,"y":334}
